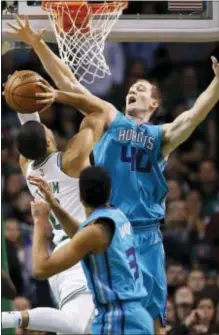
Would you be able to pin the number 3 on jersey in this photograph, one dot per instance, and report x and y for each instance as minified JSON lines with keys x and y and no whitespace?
{"x":130,"y":253}
{"x":54,"y":222}
{"x":138,"y":159}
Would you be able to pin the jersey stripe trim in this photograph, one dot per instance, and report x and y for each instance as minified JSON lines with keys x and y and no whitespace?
{"x":36,"y":166}
{"x":121,"y":316}
{"x":59,"y":160}
{"x":87,"y":260}
{"x":98,"y":283}
{"x":71,"y":295}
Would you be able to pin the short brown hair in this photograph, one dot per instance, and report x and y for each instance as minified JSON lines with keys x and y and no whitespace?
{"x":156,"y":92}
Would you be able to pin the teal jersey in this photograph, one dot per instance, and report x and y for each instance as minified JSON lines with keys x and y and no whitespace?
{"x":114,"y":276}
{"x":132,"y":156}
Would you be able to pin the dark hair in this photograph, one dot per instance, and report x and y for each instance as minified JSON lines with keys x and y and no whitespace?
{"x":31,"y":140}
{"x":95,"y":186}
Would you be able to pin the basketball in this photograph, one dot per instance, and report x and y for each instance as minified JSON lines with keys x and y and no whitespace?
{"x":20,"y":91}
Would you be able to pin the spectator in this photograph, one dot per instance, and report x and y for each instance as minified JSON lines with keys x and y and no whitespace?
{"x":207,"y":323}
{"x":21,"y":303}
{"x":184,"y":302}
{"x":22,"y":246}
{"x":175,"y":191}
{"x":208,"y":179}
{"x":170,"y":313}
{"x":196,"y":281}
{"x":176,"y":277}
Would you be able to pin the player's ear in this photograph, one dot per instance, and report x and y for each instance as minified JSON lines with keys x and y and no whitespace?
{"x":154,"y":105}
{"x":48,"y":143}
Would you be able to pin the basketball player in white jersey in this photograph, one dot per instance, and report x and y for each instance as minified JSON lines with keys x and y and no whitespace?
{"x":39,"y":157}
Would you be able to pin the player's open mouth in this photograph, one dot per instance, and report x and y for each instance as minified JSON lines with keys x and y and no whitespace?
{"x":131,"y":100}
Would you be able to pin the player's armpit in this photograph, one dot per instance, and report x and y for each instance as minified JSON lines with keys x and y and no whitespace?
{"x":76,"y":155}
{"x":86,"y":241}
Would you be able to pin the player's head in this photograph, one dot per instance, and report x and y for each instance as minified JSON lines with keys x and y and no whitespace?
{"x":142,"y":100}
{"x":95,"y":187}
{"x":35,"y":141}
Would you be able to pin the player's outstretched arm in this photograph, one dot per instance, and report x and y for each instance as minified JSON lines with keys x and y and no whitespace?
{"x":88,"y":240}
{"x":182,"y":127}
{"x":55,"y":67}
{"x":69,"y":224}
{"x":85,"y":103}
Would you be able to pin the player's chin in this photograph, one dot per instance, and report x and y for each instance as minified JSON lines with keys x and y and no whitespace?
{"x":131,"y":111}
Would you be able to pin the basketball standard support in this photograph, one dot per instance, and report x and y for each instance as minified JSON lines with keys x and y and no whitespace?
{"x":137,"y":30}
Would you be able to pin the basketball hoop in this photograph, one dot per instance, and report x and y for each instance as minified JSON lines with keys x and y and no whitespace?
{"x":81,"y":29}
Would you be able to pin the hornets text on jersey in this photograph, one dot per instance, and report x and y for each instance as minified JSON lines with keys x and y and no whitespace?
{"x":132,"y":155}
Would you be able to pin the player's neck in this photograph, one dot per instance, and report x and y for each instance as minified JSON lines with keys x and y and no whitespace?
{"x":90,"y":210}
{"x":39,"y":161}
{"x":140,"y":118}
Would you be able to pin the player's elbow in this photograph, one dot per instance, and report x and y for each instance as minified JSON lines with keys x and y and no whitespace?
{"x":40,"y":273}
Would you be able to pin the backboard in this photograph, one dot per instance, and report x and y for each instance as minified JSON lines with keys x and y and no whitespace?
{"x":148,"y":21}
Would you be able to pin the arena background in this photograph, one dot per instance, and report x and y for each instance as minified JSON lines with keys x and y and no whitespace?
{"x":191,"y":228}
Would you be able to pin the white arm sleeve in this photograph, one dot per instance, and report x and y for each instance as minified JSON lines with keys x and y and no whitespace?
{"x":28,"y":117}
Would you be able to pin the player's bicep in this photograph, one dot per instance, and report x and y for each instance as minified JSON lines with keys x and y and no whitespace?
{"x":177,"y":132}
{"x":84,"y":242}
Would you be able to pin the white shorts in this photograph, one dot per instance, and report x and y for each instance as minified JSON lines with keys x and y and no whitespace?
{"x":69,"y":283}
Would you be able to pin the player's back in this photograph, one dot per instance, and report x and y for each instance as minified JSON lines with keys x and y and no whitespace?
{"x":65,"y":189}
{"x":117,"y":270}
{"x":115,"y":280}
{"x":132,"y":155}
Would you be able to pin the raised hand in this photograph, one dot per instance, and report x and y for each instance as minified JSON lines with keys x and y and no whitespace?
{"x":44,"y":188}
{"x":40,"y":209}
{"x":24,"y":32}
{"x":47,"y":98}
{"x":215,"y":66}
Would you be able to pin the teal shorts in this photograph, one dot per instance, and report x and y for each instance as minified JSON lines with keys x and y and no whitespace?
{"x":150,"y":247}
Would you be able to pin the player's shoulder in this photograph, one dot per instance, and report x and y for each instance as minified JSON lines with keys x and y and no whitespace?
{"x":152,"y":129}
{"x":120,"y":120}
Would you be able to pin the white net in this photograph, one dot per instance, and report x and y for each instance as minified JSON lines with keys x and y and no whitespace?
{"x":81,"y":30}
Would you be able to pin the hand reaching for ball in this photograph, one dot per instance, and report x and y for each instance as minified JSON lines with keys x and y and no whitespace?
{"x":20,"y":92}
{"x":47,"y":98}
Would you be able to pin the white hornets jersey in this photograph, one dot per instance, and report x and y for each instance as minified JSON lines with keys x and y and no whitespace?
{"x":65,"y":190}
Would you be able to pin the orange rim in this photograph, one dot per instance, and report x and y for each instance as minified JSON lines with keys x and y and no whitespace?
{"x":96,"y":7}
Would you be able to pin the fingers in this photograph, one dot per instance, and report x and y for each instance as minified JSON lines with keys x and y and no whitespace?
{"x":45,"y":108}
{"x":48,"y":95}
{"x":35,"y":178}
{"x":19,"y":22}
{"x":46,"y":87}
{"x":214,"y":59}
{"x":13,"y":27}
{"x":27,"y":23}
{"x":48,"y":102}
{"x":41,"y":32}
{"x":38,"y":180}
{"x":45,"y":82}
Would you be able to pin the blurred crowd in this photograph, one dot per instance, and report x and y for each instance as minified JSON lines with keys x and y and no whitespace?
{"x":191,"y":227}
